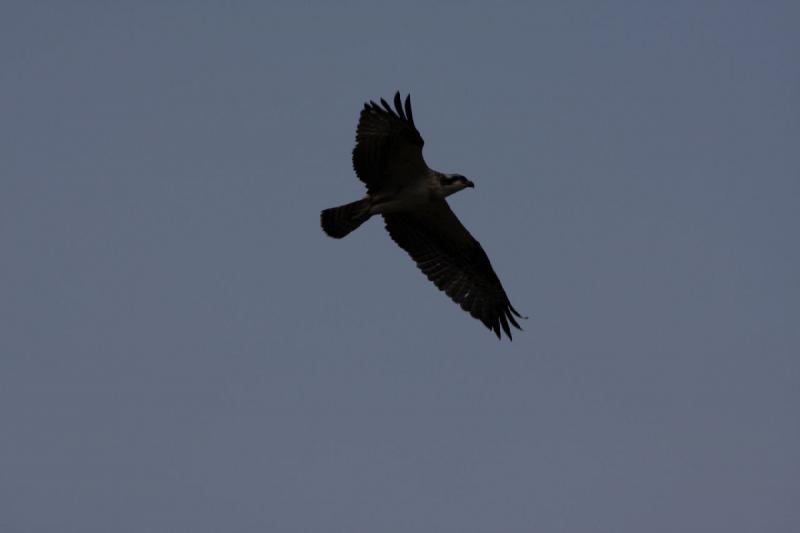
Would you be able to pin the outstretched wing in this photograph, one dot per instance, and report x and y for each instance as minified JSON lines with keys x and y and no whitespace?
{"x":388,"y":149}
{"x":455,"y":262}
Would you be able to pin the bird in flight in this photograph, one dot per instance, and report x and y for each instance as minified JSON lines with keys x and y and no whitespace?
{"x":410,"y":197}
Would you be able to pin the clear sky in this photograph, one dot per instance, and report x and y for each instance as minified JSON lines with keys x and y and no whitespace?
{"x":182,"y":349}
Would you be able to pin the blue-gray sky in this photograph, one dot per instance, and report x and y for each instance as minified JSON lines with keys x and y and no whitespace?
{"x":184,"y":350}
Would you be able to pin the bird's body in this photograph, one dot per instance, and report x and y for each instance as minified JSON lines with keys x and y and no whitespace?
{"x":417,"y":193}
{"x":411,"y":198}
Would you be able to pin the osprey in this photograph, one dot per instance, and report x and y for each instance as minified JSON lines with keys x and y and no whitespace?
{"x":411,"y":199}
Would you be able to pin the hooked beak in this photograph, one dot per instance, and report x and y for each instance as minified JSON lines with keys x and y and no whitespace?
{"x":470,"y":184}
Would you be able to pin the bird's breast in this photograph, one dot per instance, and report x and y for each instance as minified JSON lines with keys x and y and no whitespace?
{"x":406,"y":198}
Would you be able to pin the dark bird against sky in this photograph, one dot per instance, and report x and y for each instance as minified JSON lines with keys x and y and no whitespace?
{"x":410,"y":197}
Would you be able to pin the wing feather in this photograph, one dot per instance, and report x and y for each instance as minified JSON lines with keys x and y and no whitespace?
{"x":409,"y":115}
{"x":388,"y":149}
{"x":455,"y":262}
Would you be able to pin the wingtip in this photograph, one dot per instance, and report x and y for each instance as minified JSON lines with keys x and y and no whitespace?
{"x":496,"y":328}
{"x":387,"y":107}
{"x":516,"y":312}
{"x":408,"y":109}
{"x":398,"y":105}
{"x":504,"y":324}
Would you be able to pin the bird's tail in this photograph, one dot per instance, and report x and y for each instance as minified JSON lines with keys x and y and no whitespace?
{"x":337,"y":222}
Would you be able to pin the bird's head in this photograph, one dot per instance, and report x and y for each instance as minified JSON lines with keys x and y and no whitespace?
{"x":452,"y":183}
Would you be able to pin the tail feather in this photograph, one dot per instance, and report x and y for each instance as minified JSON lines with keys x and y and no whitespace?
{"x":337,"y":222}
